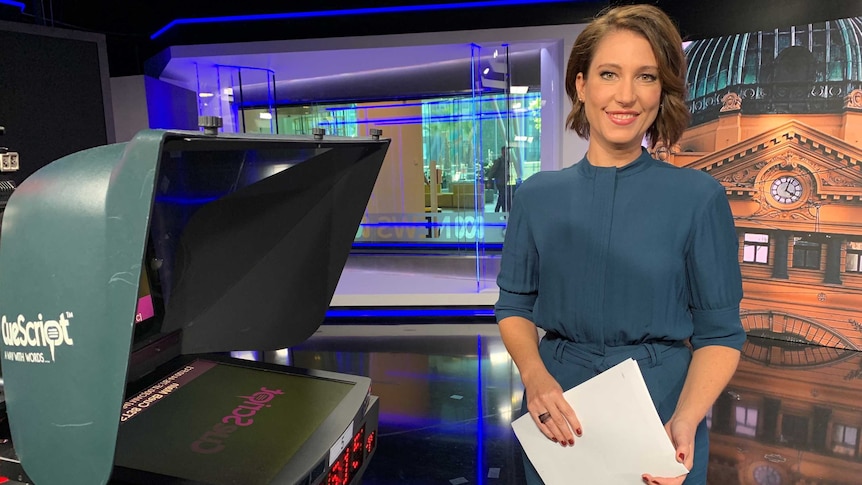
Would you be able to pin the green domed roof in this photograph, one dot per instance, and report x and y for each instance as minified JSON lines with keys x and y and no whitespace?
{"x":797,"y":69}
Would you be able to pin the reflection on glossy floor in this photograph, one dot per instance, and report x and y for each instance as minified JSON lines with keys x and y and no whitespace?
{"x":791,"y":415}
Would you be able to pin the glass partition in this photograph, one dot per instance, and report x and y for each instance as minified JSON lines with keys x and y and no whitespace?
{"x":455,"y":161}
{"x":444,"y":134}
{"x":215,"y":86}
{"x":494,"y":158}
{"x":243,"y":97}
{"x":339,"y":120}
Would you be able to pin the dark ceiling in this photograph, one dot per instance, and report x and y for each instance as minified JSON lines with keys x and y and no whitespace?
{"x":128,"y":24}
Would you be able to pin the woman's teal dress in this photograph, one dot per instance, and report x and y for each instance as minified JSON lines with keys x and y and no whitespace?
{"x":639,"y":261}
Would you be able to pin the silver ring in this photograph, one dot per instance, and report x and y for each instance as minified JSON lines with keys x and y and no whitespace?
{"x":544,"y":417}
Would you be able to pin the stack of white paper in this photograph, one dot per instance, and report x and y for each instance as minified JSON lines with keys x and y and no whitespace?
{"x":623,"y":436}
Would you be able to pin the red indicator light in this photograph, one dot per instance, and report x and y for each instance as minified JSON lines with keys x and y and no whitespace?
{"x":371,"y":442}
{"x":356,"y":445}
{"x":344,"y":469}
{"x":337,"y":474}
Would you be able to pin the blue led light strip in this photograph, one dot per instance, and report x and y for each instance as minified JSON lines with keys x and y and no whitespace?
{"x":167,"y":199}
{"x":480,"y":416}
{"x":13,"y":3}
{"x":409,"y":313}
{"x":426,"y":224}
{"x":349,"y":11}
{"x":441,"y":245}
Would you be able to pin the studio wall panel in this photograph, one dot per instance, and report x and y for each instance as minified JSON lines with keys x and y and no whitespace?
{"x":54,"y":94}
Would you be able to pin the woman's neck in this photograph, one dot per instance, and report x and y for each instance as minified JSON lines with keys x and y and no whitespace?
{"x":601,"y":157}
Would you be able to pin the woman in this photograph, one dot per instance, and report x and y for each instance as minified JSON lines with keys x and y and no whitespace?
{"x":498,"y":173}
{"x":623,"y":256}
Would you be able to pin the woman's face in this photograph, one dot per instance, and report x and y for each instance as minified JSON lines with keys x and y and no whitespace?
{"x":621,"y":93}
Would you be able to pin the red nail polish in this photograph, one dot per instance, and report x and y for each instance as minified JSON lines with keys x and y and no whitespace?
{"x":571,"y":442}
{"x":554,"y":440}
{"x":682,"y":457}
{"x":578,"y":431}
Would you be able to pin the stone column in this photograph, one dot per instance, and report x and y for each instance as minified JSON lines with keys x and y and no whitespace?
{"x":833,"y":260}
{"x":779,"y":261}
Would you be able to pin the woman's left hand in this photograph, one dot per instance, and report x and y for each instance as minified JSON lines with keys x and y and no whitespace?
{"x":681,"y":434}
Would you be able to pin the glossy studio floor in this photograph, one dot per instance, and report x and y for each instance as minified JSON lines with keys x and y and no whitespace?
{"x":791,"y":415}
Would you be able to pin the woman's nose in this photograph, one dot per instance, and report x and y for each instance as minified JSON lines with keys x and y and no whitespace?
{"x":625,"y":94}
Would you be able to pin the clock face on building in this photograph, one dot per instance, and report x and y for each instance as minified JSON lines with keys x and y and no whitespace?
{"x":786,"y":190}
{"x":766,"y":475}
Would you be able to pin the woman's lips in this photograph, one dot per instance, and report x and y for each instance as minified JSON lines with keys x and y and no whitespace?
{"x":622,"y":118}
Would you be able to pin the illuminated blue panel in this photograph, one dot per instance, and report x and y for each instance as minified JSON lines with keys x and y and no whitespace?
{"x":425,"y":224}
{"x":185,"y":200}
{"x":408,"y":245}
{"x":349,"y":11}
{"x":13,"y":3}
{"x":410,"y":313}
{"x":480,"y":415}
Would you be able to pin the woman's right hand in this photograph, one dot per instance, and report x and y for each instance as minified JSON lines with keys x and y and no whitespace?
{"x":544,"y":395}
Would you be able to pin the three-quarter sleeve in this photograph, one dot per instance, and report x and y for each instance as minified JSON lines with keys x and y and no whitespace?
{"x":518,"y":279}
{"x":715,"y":281}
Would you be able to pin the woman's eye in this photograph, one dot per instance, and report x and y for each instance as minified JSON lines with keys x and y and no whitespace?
{"x":607,"y":75}
{"x":649,"y":77}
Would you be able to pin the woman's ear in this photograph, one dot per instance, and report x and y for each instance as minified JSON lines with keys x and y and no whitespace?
{"x":579,"y":86}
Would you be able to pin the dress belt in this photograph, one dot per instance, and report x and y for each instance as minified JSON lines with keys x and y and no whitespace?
{"x":648,"y":354}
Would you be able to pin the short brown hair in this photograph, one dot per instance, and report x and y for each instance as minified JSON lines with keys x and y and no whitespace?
{"x":661,"y":33}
